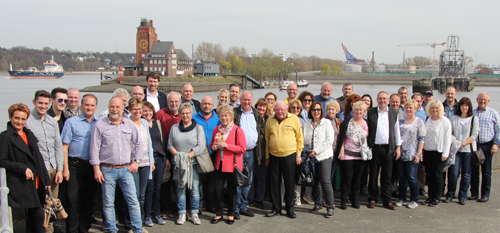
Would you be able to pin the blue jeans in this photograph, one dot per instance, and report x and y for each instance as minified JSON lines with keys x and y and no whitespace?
{"x":462,"y":160}
{"x":152,"y":202}
{"x":141,"y":178}
{"x":194,"y":194}
{"x":242,"y":202}
{"x":112,"y":176}
{"x":408,"y":177}
{"x":258,"y":189}
{"x":486,"y":172}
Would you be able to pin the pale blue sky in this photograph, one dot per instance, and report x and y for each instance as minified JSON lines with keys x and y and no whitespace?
{"x":305,"y":27}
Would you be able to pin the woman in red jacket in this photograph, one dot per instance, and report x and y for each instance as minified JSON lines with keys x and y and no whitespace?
{"x":228,"y":140}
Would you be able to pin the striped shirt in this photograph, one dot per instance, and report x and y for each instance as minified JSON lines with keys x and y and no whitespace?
{"x":489,"y":125}
{"x":112,"y":144}
{"x":49,"y":139}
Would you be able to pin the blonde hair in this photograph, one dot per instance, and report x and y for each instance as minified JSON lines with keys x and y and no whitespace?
{"x":412,"y":102}
{"x":432,"y":103}
{"x":360,"y":105}
{"x":333,"y":103}
{"x":225,"y":108}
{"x":292,"y":102}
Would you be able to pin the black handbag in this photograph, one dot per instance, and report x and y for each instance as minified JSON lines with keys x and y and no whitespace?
{"x":241,"y":178}
{"x":477,"y":157}
{"x":305,"y":178}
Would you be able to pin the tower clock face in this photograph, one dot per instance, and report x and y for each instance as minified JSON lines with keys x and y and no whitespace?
{"x":143,"y":44}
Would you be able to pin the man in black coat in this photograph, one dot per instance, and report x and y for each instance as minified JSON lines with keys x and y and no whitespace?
{"x":385,"y":140}
{"x":155,"y":97}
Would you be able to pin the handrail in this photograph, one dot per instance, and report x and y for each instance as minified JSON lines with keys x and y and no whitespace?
{"x":4,"y":191}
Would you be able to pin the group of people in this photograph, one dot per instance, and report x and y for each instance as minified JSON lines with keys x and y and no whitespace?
{"x":60,"y":146}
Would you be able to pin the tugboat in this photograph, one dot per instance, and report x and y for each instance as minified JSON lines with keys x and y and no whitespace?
{"x":50,"y":70}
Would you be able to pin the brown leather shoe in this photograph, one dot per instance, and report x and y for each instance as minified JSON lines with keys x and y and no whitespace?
{"x":390,"y":206}
{"x":372,"y":204}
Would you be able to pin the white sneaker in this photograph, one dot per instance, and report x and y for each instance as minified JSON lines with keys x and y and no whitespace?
{"x":195,"y":218}
{"x":181,"y":220}
{"x":400,"y":203}
{"x":297,"y":200}
{"x":413,"y":205}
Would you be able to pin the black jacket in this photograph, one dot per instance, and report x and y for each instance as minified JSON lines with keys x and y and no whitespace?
{"x":15,"y":157}
{"x":162,"y":99}
{"x":372,"y":117}
{"x":257,"y":151}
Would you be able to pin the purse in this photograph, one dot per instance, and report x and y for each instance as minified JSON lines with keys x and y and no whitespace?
{"x":477,"y":157}
{"x":305,"y":178}
{"x":366,"y":152}
{"x":53,"y":209}
{"x":204,"y":162}
{"x":241,"y":178}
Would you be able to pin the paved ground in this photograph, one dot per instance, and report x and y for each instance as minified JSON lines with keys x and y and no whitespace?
{"x":448,"y":217}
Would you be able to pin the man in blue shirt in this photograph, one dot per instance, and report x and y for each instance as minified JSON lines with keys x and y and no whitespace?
{"x":209,"y":120}
{"x":450,"y":104}
{"x":251,"y":122}
{"x":76,"y":144}
{"x":325,"y":96}
{"x":489,"y":140}
{"x":420,"y":113}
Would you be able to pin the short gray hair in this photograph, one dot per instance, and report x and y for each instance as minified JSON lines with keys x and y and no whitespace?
{"x":173,"y":92}
{"x":186,"y":105}
{"x":327,"y":83}
{"x":120,"y":91}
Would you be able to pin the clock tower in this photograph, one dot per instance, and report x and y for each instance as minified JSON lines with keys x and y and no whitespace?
{"x":146,"y":35}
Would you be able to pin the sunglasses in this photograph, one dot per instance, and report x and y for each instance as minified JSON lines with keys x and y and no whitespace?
{"x":316,"y":109}
{"x":293,"y":107}
{"x":62,"y":100}
{"x":307,"y":100}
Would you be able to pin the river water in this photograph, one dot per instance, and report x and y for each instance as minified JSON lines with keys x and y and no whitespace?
{"x":22,"y":91}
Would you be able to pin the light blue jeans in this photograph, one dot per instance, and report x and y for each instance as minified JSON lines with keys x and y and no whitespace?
{"x":194,"y":194}
{"x":112,"y":176}
{"x":242,"y":201}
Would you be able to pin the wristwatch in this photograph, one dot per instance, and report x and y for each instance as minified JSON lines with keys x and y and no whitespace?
{"x":138,"y":161}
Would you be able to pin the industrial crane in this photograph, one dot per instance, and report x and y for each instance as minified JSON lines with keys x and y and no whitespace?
{"x":433,"y":45}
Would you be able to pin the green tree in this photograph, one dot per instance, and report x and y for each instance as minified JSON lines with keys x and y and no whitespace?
{"x":336,"y":70}
{"x":325,"y":69}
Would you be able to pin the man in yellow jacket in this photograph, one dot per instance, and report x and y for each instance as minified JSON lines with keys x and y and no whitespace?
{"x":284,"y":144}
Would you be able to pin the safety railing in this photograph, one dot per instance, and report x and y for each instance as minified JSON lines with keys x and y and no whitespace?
{"x":6,"y":214}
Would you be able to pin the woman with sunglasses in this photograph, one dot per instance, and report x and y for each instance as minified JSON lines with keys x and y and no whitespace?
{"x":318,"y":139}
{"x":306,"y":98}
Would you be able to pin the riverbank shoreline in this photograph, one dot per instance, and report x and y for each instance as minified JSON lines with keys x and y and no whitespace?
{"x":175,"y":84}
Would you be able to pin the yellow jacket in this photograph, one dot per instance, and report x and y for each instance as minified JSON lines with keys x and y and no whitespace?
{"x":285,"y":138}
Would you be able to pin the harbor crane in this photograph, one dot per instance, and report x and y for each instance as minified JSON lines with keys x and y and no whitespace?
{"x":433,"y":45}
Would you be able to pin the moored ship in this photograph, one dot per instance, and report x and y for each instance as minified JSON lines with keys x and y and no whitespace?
{"x":50,"y":70}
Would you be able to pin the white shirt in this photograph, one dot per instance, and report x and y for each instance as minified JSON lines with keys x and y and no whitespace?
{"x":382,"y":133}
{"x":153,"y":99}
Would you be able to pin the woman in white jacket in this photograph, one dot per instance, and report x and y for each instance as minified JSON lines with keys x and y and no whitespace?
{"x":436,"y":150}
{"x":318,"y":137}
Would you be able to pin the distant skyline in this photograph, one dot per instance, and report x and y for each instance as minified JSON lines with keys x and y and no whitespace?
{"x":303,"y":27}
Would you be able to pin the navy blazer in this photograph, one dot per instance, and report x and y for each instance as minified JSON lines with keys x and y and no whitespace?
{"x":162,"y":99}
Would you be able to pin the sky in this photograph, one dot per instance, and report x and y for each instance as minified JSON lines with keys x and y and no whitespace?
{"x":285,"y":27}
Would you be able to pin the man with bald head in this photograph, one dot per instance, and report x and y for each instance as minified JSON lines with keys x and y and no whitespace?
{"x":284,"y":144}
{"x":72,"y":109}
{"x":450,"y":104}
{"x":325,"y":95}
{"x":489,"y":140}
{"x":138,"y":92}
{"x":250,"y":121}
{"x":187,"y":97}
{"x":208,"y":119}
{"x":292,"y":91}
{"x":114,"y":141}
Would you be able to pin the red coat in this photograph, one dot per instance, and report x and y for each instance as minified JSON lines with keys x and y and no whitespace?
{"x":167,"y":120}
{"x":231,"y":150}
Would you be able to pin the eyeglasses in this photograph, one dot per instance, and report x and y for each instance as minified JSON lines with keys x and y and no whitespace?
{"x":62,"y":100}
{"x":269,"y":99}
{"x":294,"y":107}
{"x":292,"y":89}
{"x":316,"y":109}
{"x":307,"y":100}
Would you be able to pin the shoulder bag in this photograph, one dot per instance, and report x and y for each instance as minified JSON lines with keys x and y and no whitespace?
{"x":366,"y":152}
{"x":477,"y":156}
{"x":241,"y":178}
{"x":205,"y":164}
